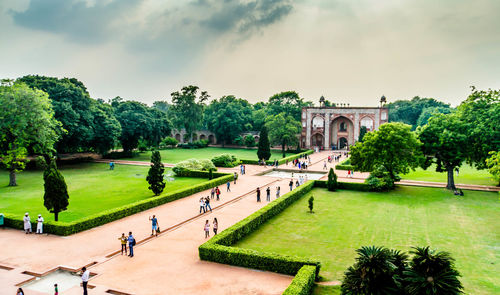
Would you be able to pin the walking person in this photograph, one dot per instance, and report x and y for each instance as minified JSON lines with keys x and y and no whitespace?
{"x":235,"y":177}
{"x":207,"y":204}
{"x":212,"y":193}
{"x":216,"y":226}
{"x":268,"y":194}
{"x":258,"y":194}
{"x":27,"y":223}
{"x":20,"y":291}
{"x":324,"y":165}
{"x":56,"y":290}
{"x":297,"y":183}
{"x":202,"y":205}
{"x":228,"y":186}
{"x":217,"y":192}
{"x":244,"y":169}
{"x":154,"y":225}
{"x":39,"y":224}
{"x":123,"y":240}
{"x":85,"y":279}
{"x":277,"y":192}
{"x":207,"y":229}
{"x":131,"y":244}
{"x":291,"y":184}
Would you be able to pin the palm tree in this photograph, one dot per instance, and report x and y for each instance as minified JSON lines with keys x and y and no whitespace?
{"x":432,"y":273}
{"x":372,"y":273}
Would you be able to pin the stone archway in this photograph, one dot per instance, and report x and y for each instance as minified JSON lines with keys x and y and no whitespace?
{"x":203,"y":137}
{"x":342,"y":143}
{"x":195,"y":136}
{"x":342,"y":127}
{"x":318,"y":140}
{"x":178,"y":137}
{"x":211,"y":139}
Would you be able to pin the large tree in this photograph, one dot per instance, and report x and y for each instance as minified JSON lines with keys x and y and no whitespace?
{"x":409,"y":111}
{"x":161,"y":126}
{"x":107,"y":129}
{"x":481,"y":112}
{"x":394,"y":146}
{"x":287,"y":102}
{"x":445,"y":143}
{"x":155,"y":174}
{"x":264,"y":148}
{"x":283,"y":130}
{"x":135,"y":121}
{"x":55,"y":198}
{"x":27,"y":125}
{"x":227,"y":117}
{"x":188,"y":108}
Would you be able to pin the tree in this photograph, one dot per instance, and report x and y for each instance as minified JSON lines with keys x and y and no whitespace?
{"x":445,"y":142}
{"x":264,"y":149}
{"x":394,"y":146}
{"x":287,"y":102}
{"x":227,"y":117}
{"x":258,"y":118}
{"x":107,"y":128}
{"x":409,"y":111}
{"x":332,"y":180}
{"x":169,"y":141}
{"x":481,"y":112}
{"x":135,"y":121}
{"x":27,"y":126}
{"x":249,"y":141}
{"x":188,"y":113}
{"x":429,"y":112}
{"x":155,"y":174}
{"x":362,"y":132}
{"x":56,"y":195}
{"x":160,"y":126}
{"x":432,"y":273}
{"x":283,"y":130}
{"x":311,"y":204}
{"x":493,"y":164}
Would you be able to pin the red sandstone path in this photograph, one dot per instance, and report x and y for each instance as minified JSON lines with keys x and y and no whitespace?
{"x":167,"y":264}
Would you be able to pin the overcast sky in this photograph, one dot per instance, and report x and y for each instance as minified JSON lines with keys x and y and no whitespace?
{"x":350,"y":51}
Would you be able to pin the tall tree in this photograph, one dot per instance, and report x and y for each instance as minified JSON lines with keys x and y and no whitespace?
{"x":135,"y":121}
{"x":409,"y":111}
{"x":160,"y":126}
{"x":284,"y":130}
{"x":27,"y":126}
{"x":107,"y":129}
{"x":155,"y":174}
{"x":394,"y":146}
{"x":362,"y":133}
{"x":55,"y":198}
{"x":227,"y":117}
{"x":287,"y":102}
{"x":264,"y":148}
{"x":188,"y":112}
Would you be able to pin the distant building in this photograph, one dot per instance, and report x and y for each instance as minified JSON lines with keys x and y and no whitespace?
{"x":338,"y":127}
{"x":182,"y":136}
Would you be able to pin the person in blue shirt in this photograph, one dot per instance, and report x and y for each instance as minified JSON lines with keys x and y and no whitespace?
{"x":154,"y":225}
{"x":131,"y":244}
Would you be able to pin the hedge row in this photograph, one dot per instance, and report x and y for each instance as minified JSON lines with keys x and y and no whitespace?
{"x":280,"y":161}
{"x":218,"y":249}
{"x":200,"y":174}
{"x":345,"y":185}
{"x":345,"y":165}
{"x":303,"y":282}
{"x":68,"y":228}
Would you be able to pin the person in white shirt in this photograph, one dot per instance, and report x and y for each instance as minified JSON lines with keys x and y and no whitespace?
{"x":85,"y":279}
{"x":39,"y":225}
{"x":27,"y":223}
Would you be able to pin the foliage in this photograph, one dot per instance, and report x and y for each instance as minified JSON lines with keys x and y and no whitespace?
{"x":107,"y":129}
{"x":55,"y":198}
{"x":193,"y":164}
{"x":227,"y":117}
{"x":493,"y":164}
{"x":249,"y":141}
{"x":239,"y":140}
{"x":481,"y":114}
{"x":345,"y":165}
{"x":27,"y":126}
{"x":197,"y":144}
{"x":288,"y":103}
{"x":355,"y":186}
{"x":432,"y":272}
{"x":303,"y":282}
{"x":429,"y":112}
{"x":225,"y":160}
{"x":142,"y":145}
{"x":280,"y":161}
{"x":362,"y":132}
{"x":332,"y":180}
{"x":283,"y":130}
{"x":264,"y":150}
{"x":381,"y":180}
{"x":187,"y":112}
{"x":394,"y":146}
{"x":155,"y":174}
{"x":410,"y":111}
{"x":310,"y":204}
{"x":445,"y":143}
{"x":169,"y":142}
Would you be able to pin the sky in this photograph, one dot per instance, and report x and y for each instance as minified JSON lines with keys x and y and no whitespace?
{"x":349,"y":51}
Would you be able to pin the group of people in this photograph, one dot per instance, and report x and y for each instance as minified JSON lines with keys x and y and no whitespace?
{"x":268,"y":193}
{"x":215,"y":227}
{"x":242,"y":169}
{"x":205,"y":204}
{"x":27,"y":223}
{"x":334,"y":157}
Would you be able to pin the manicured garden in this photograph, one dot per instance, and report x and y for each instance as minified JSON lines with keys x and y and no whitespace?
{"x":467,"y":175}
{"x":176,"y":155}
{"x":342,"y":221}
{"x":92,"y":187}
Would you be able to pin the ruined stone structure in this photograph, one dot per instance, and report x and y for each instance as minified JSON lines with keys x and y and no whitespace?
{"x":181,"y":135}
{"x":338,"y":127}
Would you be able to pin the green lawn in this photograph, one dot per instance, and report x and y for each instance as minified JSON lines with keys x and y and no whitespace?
{"x":467,"y":175}
{"x":177,"y":155}
{"x":468,"y":227}
{"x":92,"y":188}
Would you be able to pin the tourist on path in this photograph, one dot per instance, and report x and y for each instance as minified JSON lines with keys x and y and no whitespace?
{"x":244,"y":169}
{"x":216,"y":226}
{"x":268,"y":194}
{"x":27,"y":223}
{"x":297,"y":184}
{"x":207,"y":229}
{"x":56,"y":290}
{"x":258,"y":194}
{"x":324,"y":164}
{"x":241,"y":169}
{"x":228,"y":184}
{"x":235,"y":177}
{"x":217,"y":192}
{"x":20,"y":291}
{"x":111,"y":165}
{"x":212,"y":193}
{"x":131,"y":244}
{"x":202,"y":205}
{"x":207,"y":204}
{"x":154,"y":225}
{"x":123,"y":240}
{"x":277,"y":192}
{"x":39,"y":224}
{"x":291,"y":184}
{"x":85,"y":279}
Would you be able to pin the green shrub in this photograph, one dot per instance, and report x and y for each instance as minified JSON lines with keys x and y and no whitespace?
{"x":197,"y":144}
{"x":142,"y":146}
{"x":311,"y":204}
{"x":303,"y":282}
{"x":194,"y":164}
{"x":380,"y":180}
{"x":249,"y":141}
{"x":239,"y":140}
{"x":332,"y":180}
{"x":169,"y":142}
{"x":225,"y":160}
{"x":280,"y":161}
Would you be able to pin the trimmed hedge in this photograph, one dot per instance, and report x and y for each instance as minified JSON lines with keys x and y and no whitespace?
{"x":280,"y":161}
{"x":303,"y":282}
{"x":68,"y":228}
{"x":344,"y":185}
{"x":345,"y":165}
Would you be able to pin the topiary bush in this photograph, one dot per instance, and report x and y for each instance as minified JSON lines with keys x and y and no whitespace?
{"x":193,"y":164}
{"x":380,"y":180}
{"x":225,"y":160}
